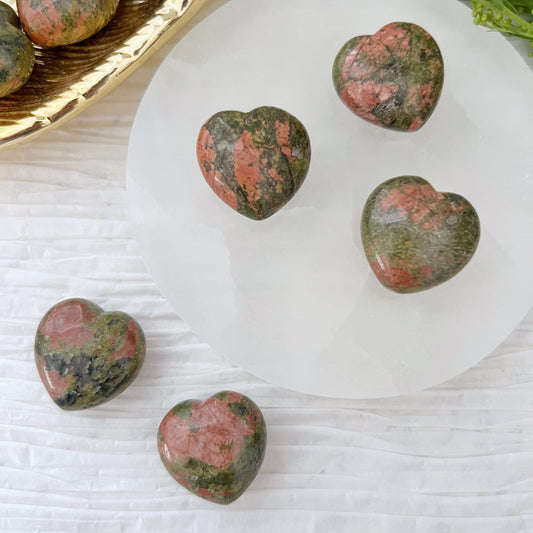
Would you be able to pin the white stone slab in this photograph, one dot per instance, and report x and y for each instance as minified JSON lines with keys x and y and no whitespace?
{"x":291,"y":299}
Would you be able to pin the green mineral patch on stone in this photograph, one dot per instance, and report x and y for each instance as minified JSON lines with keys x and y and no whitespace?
{"x":183,"y":410}
{"x":240,"y":408}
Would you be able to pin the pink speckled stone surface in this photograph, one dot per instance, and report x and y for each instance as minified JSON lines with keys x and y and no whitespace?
{"x":393,"y":78}
{"x":214,"y":448}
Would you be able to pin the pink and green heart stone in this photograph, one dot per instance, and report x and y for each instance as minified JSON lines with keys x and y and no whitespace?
{"x":255,"y":162}
{"x":393,"y":78}
{"x":85,"y":356}
{"x":17,"y":55}
{"x":415,"y":237}
{"x":62,"y":22}
{"x":214,"y":448}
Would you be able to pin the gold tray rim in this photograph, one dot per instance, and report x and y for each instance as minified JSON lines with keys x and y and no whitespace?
{"x":171,"y":17}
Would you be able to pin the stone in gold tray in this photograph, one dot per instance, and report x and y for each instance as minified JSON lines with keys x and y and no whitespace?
{"x":67,"y":79}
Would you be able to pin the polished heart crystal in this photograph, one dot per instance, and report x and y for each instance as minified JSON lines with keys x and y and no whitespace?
{"x":393,"y":78}
{"x":214,"y":448}
{"x":62,"y":22}
{"x":85,"y":356}
{"x":17,"y":55}
{"x":415,"y":237}
{"x":256,"y":161}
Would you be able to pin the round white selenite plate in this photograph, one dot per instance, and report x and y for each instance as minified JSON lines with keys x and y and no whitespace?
{"x":292,"y":298}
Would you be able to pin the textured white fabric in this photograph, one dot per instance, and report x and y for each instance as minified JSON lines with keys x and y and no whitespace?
{"x":455,"y":458}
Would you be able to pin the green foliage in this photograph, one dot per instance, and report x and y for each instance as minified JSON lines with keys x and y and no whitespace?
{"x":511,"y":17}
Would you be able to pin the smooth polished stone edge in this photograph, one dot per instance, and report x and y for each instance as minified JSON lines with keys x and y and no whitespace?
{"x":256,"y":161}
{"x":415,"y":237}
{"x":85,"y":356}
{"x":393,"y":78}
{"x":214,"y":448}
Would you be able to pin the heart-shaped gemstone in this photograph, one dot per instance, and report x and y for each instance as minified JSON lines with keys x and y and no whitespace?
{"x":415,"y":237}
{"x":17,"y":55}
{"x":256,"y":161}
{"x":214,"y":448}
{"x":62,"y":22}
{"x":85,"y":356}
{"x":392,"y":78}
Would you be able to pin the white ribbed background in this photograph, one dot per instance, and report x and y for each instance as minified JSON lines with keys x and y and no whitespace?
{"x":455,"y":458}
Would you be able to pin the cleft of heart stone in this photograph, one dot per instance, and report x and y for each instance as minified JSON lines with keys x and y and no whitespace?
{"x":393,"y":78}
{"x":255,"y":162}
{"x":213,"y":448}
{"x":415,"y":237}
{"x":86,"y":357}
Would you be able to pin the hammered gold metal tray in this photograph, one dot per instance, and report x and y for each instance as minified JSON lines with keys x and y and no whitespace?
{"x":67,"y":79}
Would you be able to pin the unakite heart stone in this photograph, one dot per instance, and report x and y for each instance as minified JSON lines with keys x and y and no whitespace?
{"x":17,"y":55}
{"x":61,"y":22}
{"x":256,"y":161}
{"x":393,"y":78}
{"x":214,"y":448}
{"x":415,"y":237}
{"x":85,"y":356}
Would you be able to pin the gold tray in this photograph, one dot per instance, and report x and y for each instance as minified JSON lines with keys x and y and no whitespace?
{"x":67,"y":79}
